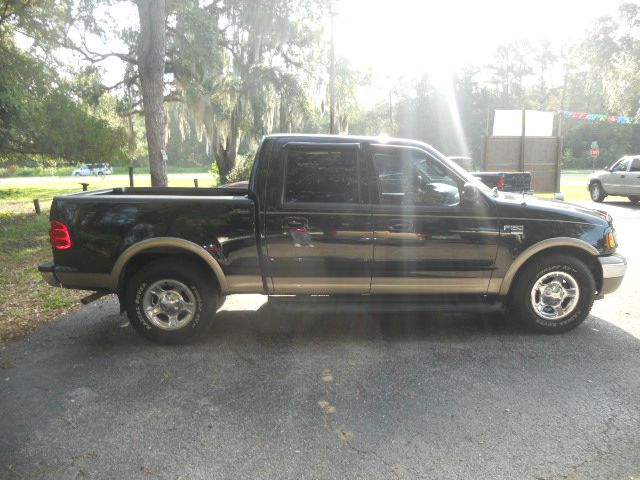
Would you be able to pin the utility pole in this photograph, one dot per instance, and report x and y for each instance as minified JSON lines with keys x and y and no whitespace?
{"x":390,"y":114}
{"x":332,"y":81}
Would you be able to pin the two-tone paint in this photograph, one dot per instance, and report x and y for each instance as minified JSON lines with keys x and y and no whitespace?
{"x":253,"y":241}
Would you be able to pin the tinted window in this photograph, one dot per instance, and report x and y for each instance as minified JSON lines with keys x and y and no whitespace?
{"x":408,"y":176}
{"x":635,"y":166}
{"x":321,"y":176}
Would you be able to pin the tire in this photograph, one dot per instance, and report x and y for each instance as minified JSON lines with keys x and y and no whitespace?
{"x":189,"y":298}
{"x":634,"y":199}
{"x":553,"y":275}
{"x":597,"y":192}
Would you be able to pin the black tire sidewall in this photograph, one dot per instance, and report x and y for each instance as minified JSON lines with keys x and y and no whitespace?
{"x":601,"y":195}
{"x":521,"y":296}
{"x":205,"y":297}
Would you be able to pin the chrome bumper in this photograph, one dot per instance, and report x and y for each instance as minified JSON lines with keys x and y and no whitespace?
{"x":613,"y":269}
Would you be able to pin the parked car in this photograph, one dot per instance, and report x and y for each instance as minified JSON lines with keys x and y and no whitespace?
{"x":516,"y":182}
{"x":621,"y":178}
{"x":390,"y":225}
{"x":93,"y":169}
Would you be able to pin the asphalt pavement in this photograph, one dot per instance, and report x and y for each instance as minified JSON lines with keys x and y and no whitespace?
{"x":307,"y":396}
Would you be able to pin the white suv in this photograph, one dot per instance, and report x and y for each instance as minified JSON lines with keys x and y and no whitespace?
{"x":93,"y":169}
{"x":621,"y":178}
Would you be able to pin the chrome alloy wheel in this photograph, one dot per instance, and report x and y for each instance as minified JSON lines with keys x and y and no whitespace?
{"x":555,"y":295}
{"x":169,"y":304}
{"x":595,"y":192}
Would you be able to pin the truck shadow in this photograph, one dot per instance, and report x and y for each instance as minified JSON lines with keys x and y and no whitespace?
{"x":268,"y":328}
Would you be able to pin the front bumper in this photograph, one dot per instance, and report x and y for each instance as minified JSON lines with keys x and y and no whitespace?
{"x":613,"y":269}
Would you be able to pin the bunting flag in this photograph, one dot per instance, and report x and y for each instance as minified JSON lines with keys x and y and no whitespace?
{"x":596,"y":117}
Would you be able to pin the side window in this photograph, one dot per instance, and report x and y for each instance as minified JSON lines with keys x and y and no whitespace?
{"x":326,"y":176}
{"x":622,"y":166}
{"x":635,"y":166}
{"x":410,"y":177}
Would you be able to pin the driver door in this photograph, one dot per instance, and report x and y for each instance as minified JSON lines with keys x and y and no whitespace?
{"x":616,"y":180}
{"x":425,"y":240}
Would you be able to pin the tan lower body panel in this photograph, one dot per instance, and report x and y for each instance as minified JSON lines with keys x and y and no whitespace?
{"x":86,"y":281}
{"x":321,"y":285}
{"x":429,"y":286}
{"x":398,"y":286}
{"x":244,"y":284}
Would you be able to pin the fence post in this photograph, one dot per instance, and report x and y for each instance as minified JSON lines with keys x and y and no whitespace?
{"x":36,"y":205}
{"x":131,"y":176}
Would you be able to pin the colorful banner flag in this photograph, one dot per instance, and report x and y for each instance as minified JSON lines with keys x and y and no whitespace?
{"x":597,"y":117}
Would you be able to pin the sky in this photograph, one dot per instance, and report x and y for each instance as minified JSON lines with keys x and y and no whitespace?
{"x":395,"y":38}
{"x":405,"y":38}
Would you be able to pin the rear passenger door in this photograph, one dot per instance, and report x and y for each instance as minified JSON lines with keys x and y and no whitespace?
{"x":633,"y":178}
{"x":318,"y":228}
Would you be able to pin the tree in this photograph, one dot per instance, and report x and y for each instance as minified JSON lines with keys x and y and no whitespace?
{"x":151,"y":59}
{"x":57,"y":126}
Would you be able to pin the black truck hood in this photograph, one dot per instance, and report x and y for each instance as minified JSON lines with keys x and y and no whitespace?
{"x":528,"y":206}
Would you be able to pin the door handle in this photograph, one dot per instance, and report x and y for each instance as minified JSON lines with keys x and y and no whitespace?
{"x":621,"y":176}
{"x":401,"y":227}
{"x":296,"y":225}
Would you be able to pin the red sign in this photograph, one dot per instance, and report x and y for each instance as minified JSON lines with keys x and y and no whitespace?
{"x":595,"y":152}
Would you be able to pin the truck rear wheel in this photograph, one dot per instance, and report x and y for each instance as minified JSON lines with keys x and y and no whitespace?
{"x":634,"y":199}
{"x":167,"y":300}
{"x":552,"y":294}
{"x":597,"y":192}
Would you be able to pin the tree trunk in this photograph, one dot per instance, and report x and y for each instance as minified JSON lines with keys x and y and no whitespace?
{"x":283,"y":113}
{"x":226,"y":156}
{"x":151,"y":57}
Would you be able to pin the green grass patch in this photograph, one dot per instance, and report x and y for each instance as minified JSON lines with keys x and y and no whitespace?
{"x":26,"y":301}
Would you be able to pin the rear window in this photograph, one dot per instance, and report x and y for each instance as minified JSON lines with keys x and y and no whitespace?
{"x":326,"y":176}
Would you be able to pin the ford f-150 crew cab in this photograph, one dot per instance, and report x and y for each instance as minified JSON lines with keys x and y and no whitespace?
{"x":391,"y":224}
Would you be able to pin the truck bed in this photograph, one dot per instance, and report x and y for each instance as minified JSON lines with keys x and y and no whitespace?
{"x":105,"y":223}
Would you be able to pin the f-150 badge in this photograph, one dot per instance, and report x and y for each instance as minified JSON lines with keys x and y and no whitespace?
{"x":513,"y":229}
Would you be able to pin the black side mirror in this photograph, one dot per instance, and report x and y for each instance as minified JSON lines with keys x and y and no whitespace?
{"x":470,"y":193}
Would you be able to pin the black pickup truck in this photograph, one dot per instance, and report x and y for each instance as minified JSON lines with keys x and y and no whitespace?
{"x":390,"y":224}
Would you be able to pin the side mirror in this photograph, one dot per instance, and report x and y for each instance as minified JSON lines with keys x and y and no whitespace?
{"x":470,"y":193}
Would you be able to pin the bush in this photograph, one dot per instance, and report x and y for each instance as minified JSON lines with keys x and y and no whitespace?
{"x":242,"y":169}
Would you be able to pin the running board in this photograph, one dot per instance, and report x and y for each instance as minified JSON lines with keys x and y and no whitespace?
{"x":386,"y":304}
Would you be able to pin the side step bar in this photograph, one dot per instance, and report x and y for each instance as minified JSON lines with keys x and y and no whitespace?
{"x":385,"y":304}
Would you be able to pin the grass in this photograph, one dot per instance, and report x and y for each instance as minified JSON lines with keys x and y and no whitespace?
{"x":26,"y":302}
{"x":19,"y":195}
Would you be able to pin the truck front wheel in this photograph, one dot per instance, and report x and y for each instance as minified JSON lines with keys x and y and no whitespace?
{"x":167,"y":300}
{"x":553,"y":294}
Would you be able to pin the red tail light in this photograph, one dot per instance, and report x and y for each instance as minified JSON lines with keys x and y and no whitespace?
{"x":59,"y":236}
{"x":500,"y":184}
